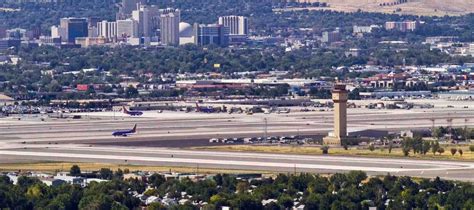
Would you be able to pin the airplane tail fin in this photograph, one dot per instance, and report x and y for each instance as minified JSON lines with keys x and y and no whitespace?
{"x":124,"y":110}
{"x":134,"y":128}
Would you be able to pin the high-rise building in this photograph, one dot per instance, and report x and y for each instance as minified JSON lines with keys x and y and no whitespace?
{"x":107,"y":29}
{"x":143,"y":15}
{"x":127,"y":28}
{"x":73,"y":28}
{"x":57,"y":32}
{"x":330,"y":37}
{"x":126,"y":7}
{"x":211,"y":34}
{"x":92,"y":21}
{"x":169,"y":27}
{"x":238,"y":25}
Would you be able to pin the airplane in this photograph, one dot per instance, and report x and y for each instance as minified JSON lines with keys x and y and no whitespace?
{"x":132,"y":113}
{"x":125,"y":133}
{"x":205,"y":109}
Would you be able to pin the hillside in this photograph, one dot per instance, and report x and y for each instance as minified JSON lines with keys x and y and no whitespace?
{"x":413,"y":7}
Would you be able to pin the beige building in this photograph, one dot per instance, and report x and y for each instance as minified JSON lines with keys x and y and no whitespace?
{"x":6,"y":100}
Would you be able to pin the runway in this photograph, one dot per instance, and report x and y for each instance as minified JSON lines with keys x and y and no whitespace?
{"x":175,"y":127}
{"x":242,"y":161}
{"x":161,"y":138}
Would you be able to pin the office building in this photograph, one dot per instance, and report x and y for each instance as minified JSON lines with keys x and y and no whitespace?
{"x":107,"y":30}
{"x":238,"y":25}
{"x":127,"y":28}
{"x":441,"y":39}
{"x":330,"y":37}
{"x":52,"y":41}
{"x":211,"y":34}
{"x":73,"y":28}
{"x":56,"y":32}
{"x":16,"y":33}
{"x":141,"y":15}
{"x":169,"y":28}
{"x":92,"y":21}
{"x":364,"y":29}
{"x":7,"y":43}
{"x":91,"y":41}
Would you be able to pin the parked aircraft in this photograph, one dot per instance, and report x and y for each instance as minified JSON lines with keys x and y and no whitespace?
{"x":205,"y":109}
{"x":132,"y":113}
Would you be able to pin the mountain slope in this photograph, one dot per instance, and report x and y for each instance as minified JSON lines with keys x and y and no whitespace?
{"x":414,"y":7}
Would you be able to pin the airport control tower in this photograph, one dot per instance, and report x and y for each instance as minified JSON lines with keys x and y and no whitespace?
{"x":339,"y":135}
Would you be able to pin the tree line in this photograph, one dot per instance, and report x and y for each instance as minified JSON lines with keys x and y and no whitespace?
{"x":353,"y":190}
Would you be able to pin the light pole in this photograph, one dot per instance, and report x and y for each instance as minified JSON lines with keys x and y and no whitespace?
{"x":266,"y":128}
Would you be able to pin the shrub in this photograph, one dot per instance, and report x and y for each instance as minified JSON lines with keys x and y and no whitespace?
{"x":325,"y":150}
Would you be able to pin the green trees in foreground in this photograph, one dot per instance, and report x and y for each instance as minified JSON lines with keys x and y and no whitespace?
{"x":353,"y":190}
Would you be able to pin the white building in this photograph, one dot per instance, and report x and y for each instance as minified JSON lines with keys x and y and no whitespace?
{"x":169,"y":27}
{"x":186,"y":35}
{"x":238,"y":25}
{"x":141,"y":15}
{"x":127,"y":28}
{"x":57,"y":32}
{"x":364,"y":29}
{"x":107,"y":29}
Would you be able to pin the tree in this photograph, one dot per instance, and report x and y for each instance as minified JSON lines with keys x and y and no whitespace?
{"x":471,"y":148}
{"x":245,"y":201}
{"x":272,"y":206}
{"x":242,"y":187}
{"x":426,"y":147}
{"x":440,"y":150}
{"x":356,"y":177}
{"x":325,"y":150}
{"x":453,"y":151}
{"x":105,"y":173}
{"x":118,"y":174}
{"x":390,"y":146}
{"x":435,"y":147}
{"x":437,"y":132}
{"x":131,"y":92}
{"x":371,"y":147}
{"x":285,"y":201}
{"x":460,"y":152}
{"x":156,"y":180}
{"x":218,"y":179}
{"x":95,"y":202}
{"x":156,"y":206}
{"x":406,"y":151}
{"x":75,"y":170}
